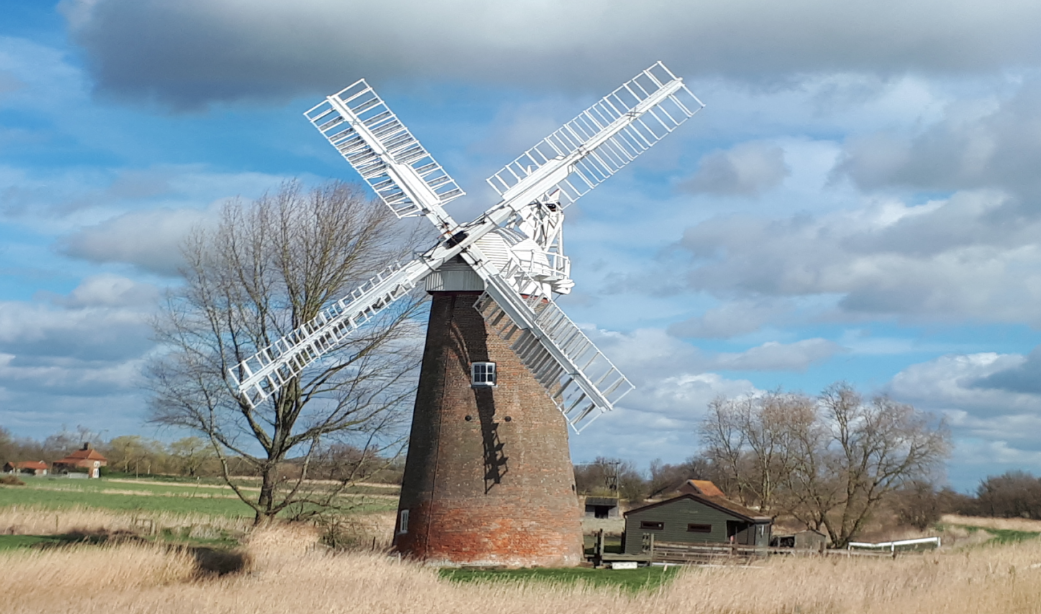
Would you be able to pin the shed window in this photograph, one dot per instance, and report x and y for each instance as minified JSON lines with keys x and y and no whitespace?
{"x":699,"y":528}
{"x":652,"y":525}
{"x":482,"y":373}
{"x":403,"y":522}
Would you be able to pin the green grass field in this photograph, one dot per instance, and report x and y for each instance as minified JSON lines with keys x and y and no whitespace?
{"x":130,"y":495}
{"x":631,"y":580}
{"x":12,"y":542}
{"x":1002,"y":536}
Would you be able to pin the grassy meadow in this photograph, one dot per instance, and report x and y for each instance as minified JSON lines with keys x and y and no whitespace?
{"x":167,"y":496}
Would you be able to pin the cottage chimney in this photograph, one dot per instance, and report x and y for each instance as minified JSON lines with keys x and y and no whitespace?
{"x":86,"y":445}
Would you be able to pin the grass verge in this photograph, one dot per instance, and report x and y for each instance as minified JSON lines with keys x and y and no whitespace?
{"x":629,"y":580}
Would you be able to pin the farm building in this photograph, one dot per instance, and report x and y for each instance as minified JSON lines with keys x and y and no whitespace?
{"x":26,"y":467}
{"x":85,"y":458}
{"x":695,"y":519}
{"x":803,"y":540}
{"x":602,"y":507}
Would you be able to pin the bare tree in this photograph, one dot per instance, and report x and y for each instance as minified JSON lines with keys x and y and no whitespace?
{"x":881,"y":446}
{"x":191,"y":455}
{"x":752,"y":442}
{"x":267,"y":268}
{"x":829,"y":461}
{"x":610,"y":477}
{"x":1010,"y":495}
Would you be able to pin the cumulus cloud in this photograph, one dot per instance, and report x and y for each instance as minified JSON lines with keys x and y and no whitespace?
{"x":947,"y":260}
{"x":664,"y":412}
{"x":1024,"y":377}
{"x":86,"y":333}
{"x":951,"y":383}
{"x":107,"y":290}
{"x":88,"y":343}
{"x":976,"y":144}
{"x":747,"y":169}
{"x":649,"y":355}
{"x":728,"y":320}
{"x":995,"y":427}
{"x":150,"y":240}
{"x":193,"y":52}
{"x":775,"y":356}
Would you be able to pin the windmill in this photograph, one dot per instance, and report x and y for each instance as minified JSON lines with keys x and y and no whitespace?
{"x":505,"y":373}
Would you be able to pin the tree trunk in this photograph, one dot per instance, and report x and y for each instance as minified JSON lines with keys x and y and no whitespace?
{"x":265,"y":503}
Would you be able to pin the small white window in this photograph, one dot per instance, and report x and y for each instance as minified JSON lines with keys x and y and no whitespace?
{"x":482,"y":373}
{"x":403,"y":522}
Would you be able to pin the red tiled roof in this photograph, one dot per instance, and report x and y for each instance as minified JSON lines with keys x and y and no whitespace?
{"x":705,"y":487}
{"x":82,"y":456}
{"x":90,"y":454}
{"x":29,"y":465}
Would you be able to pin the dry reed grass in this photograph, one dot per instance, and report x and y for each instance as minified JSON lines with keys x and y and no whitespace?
{"x":1004,"y":524}
{"x":287,"y":573}
{"x":18,"y":520}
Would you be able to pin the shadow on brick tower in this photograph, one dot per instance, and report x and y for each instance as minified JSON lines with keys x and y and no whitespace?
{"x":488,"y":479}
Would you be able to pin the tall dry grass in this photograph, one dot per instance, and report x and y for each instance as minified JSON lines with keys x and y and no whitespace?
{"x":26,"y":520}
{"x":288,"y":573}
{"x":1005,"y":524}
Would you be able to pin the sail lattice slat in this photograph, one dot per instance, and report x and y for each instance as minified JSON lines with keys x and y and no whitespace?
{"x":357,"y":109}
{"x":582,"y":382}
{"x":269,"y":369}
{"x":636,"y":116}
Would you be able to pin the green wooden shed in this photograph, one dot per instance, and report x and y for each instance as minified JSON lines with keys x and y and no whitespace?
{"x":695,"y":519}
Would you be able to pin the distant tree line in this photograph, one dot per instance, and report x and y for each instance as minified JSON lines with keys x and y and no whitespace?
{"x":191,"y":457}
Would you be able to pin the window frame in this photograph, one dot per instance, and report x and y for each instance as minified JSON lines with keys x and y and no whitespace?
{"x":697,"y":527}
{"x":403,"y":522}
{"x":489,"y":376}
{"x":652,"y":525}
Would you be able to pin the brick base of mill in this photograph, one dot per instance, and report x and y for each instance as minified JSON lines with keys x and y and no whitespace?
{"x":488,"y":478}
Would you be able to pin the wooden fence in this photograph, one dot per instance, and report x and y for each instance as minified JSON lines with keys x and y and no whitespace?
{"x":672,"y":552}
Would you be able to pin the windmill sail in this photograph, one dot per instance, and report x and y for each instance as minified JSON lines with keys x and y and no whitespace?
{"x":605,"y":137}
{"x":374,"y":141}
{"x":580,"y":379}
{"x":269,"y":369}
{"x":576,"y":158}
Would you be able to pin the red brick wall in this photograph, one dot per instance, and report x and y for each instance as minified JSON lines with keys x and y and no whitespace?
{"x":497,"y":489}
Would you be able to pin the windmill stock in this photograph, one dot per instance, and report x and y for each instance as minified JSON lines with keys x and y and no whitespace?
{"x":488,"y":465}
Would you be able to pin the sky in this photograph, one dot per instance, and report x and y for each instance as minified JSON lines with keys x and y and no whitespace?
{"x":859,"y":200}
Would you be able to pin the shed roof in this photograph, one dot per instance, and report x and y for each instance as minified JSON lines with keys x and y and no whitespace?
{"x":28,"y":465}
{"x":721,"y":503}
{"x":701,"y":487}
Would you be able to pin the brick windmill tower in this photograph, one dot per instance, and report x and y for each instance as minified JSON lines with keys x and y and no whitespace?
{"x":488,"y":478}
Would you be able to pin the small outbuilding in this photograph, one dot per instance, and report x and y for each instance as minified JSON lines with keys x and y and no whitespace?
{"x":85,"y":458}
{"x":26,"y":467}
{"x":696,"y":519}
{"x":803,"y":540}
{"x":602,"y":507}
